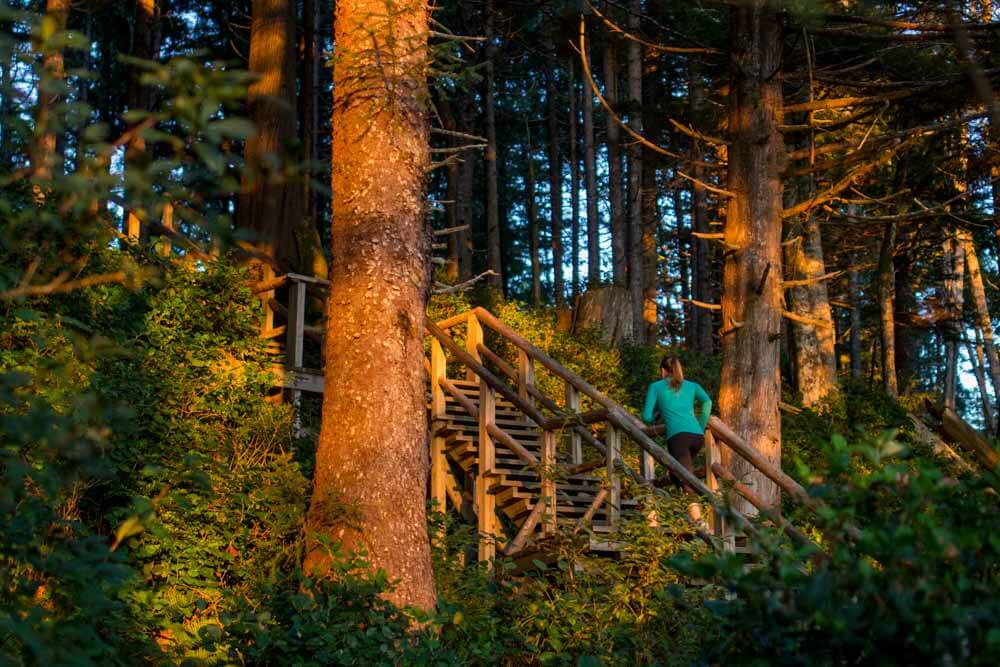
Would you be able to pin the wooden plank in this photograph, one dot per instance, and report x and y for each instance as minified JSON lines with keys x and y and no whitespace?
{"x":308,"y":280}
{"x":524,"y":532}
{"x":473,"y":339}
{"x":462,"y":399}
{"x":589,"y":417}
{"x":713,"y":456}
{"x":548,"y":486}
{"x":588,"y":516}
{"x":485,"y":501}
{"x":300,"y":380}
{"x":492,"y":356}
{"x":513,"y":445}
{"x":573,"y":407}
{"x":614,"y":444}
{"x":439,"y":371}
{"x":525,"y":376}
{"x":295,"y":342}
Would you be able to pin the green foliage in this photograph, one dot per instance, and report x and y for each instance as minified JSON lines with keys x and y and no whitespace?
{"x":918,"y":586}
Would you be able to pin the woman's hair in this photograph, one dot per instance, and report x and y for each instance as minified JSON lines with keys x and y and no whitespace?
{"x":672,"y":366}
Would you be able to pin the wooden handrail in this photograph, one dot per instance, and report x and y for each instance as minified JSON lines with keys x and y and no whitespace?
{"x":492,"y":380}
{"x":589,"y":417}
{"x":310,"y":280}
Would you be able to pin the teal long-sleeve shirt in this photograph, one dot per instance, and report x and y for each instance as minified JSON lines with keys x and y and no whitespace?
{"x":676,"y":407}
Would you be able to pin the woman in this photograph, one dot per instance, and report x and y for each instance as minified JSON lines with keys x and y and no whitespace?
{"x":673,"y":398}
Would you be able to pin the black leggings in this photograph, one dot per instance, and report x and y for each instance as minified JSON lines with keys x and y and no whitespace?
{"x":684,"y":447}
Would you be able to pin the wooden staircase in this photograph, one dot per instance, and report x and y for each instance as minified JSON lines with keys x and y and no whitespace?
{"x":523,"y":465}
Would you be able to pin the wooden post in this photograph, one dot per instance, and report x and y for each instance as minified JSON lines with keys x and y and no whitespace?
{"x":439,"y":370}
{"x":295,"y":337}
{"x":613,"y":442}
{"x":473,"y":338}
{"x":713,"y":455}
{"x":267,"y":274}
{"x":548,"y":485}
{"x":486,"y":501}
{"x":525,"y":375}
{"x":573,"y":407}
{"x":647,"y":465}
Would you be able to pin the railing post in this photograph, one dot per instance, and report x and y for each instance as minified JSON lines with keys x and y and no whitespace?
{"x":613,"y":443}
{"x":573,"y":407}
{"x":486,"y":501}
{"x":713,"y":455}
{"x":267,"y":273}
{"x":295,"y":340}
{"x":647,"y":464}
{"x":548,"y":485}
{"x":525,"y":376}
{"x":439,"y":370}
{"x":473,"y":339}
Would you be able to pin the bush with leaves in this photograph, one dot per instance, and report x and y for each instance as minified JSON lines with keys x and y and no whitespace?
{"x":918,"y":586}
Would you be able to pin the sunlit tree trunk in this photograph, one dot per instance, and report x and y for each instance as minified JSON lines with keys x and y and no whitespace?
{"x":574,"y":180}
{"x":270,"y":203}
{"x":750,"y":389}
{"x":42,"y":149}
{"x":619,"y":233}
{"x":815,"y":340}
{"x":701,"y":250}
{"x":886,"y":293}
{"x":371,"y":461}
{"x":494,"y":259}
{"x":953,"y":260}
{"x":978,"y":292}
{"x":555,"y":179}
{"x":590,"y":171}
{"x":146,"y":45}
{"x":976,"y":356}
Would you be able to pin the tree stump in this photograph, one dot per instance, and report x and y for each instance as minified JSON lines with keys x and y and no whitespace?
{"x":607,"y":309}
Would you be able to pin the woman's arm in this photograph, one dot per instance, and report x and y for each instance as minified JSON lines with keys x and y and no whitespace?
{"x":706,"y":405}
{"x":649,"y":411}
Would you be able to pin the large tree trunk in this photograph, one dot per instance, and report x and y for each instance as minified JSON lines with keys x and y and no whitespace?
{"x":701,"y":250}
{"x":619,"y":231}
{"x":574,"y":181}
{"x":371,"y":461}
{"x":815,"y":340}
{"x":886,"y":294}
{"x":494,"y":259}
{"x":953,"y":261}
{"x":590,"y":171}
{"x":752,"y":300}
{"x":905,"y":303}
{"x":146,"y":45}
{"x":42,"y":149}
{"x":978,"y":292}
{"x":976,"y":356}
{"x":555,"y":180}
{"x":271,"y":204}
{"x":637,"y":233}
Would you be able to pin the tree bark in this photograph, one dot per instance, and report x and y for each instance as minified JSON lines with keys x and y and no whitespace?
{"x":574,"y":181}
{"x":905,"y":304}
{"x":42,"y":149}
{"x":815,"y":343}
{"x":531,"y":206}
{"x":701,"y":249}
{"x":976,"y":356}
{"x":886,"y":294}
{"x":555,"y":180}
{"x":146,"y":45}
{"x":590,"y":171}
{"x":638,"y":235}
{"x":371,"y":461}
{"x":271,"y":204}
{"x":854,"y":286}
{"x":619,"y":229}
{"x":978,"y":292}
{"x":750,"y":389}
{"x":953,"y":260}
{"x":494,"y":258}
